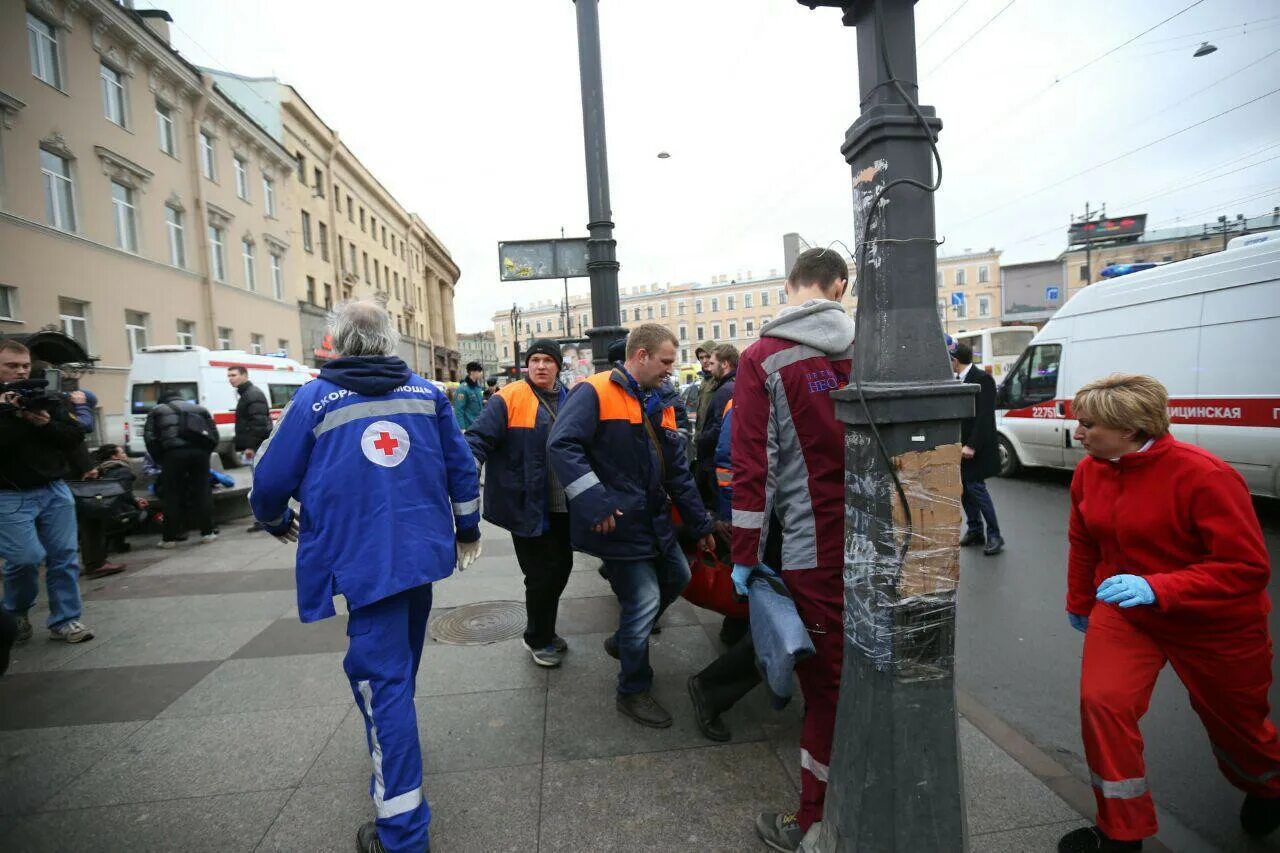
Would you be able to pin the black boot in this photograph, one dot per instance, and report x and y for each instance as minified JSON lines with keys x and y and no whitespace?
{"x":972,"y":537}
{"x":367,"y":839}
{"x":1090,"y":839}
{"x":1260,"y":816}
{"x":644,"y":709}
{"x":711,"y":726}
{"x":995,"y":545}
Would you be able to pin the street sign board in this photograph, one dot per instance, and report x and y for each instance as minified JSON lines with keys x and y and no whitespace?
{"x":1100,"y":230}
{"x":527,"y":260}
{"x":957,"y":298}
{"x":1051,"y":294}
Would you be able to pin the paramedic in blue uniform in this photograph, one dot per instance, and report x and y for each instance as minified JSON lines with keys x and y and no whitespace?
{"x":390,"y":504}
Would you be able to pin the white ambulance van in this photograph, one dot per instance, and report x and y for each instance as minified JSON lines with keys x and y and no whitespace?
{"x":201,"y":374}
{"x":1208,"y":328}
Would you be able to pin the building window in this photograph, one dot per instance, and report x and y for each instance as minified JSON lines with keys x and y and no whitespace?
{"x":217,"y":255}
{"x":746,"y":300}
{"x":300,"y":162}
{"x":384,"y":236}
{"x":42,"y":39}
{"x":715,"y":305}
{"x":8,"y":302}
{"x":324,"y":241}
{"x":377,"y":274}
{"x":177,"y":237}
{"x":1084,"y":269}
{"x":311,"y":290}
{"x":269,"y":197}
{"x":365,"y":256}
{"x":306,"y":231}
{"x":764,"y":299}
{"x":962,"y":310}
{"x":583,"y":325}
{"x":319,"y":183}
{"x":135,"y":329}
{"x":684,"y":332}
{"x":662,"y":310}
{"x":648,"y":312}
{"x":984,"y":274}
{"x":782,"y":297}
{"x":984,"y":306}
{"x":733,"y":329}
{"x":362,"y":221}
{"x":206,"y":155}
{"x":242,"y":177}
{"x":352,"y":248}
{"x":351,"y":210}
{"x":255,"y":344}
{"x":75,"y":323}
{"x":697,"y":306}
{"x":125,"y":215}
{"x":715,"y":331}
{"x":328,"y":296}
{"x":282,"y":347}
{"x":168,"y":132}
{"x":538,"y":325}
{"x":186,"y":333}
{"x":250,"y":272}
{"x":730,"y":302}
{"x":277,"y":277}
{"x":224,"y":337}
{"x":749,"y":328}
{"x":960,"y":277}
{"x":680,"y":308}
{"x":59,"y":202}
{"x":112,"y":94}
{"x":702,"y":332}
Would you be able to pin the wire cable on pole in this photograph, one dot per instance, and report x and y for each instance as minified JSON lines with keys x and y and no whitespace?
{"x":972,"y":36}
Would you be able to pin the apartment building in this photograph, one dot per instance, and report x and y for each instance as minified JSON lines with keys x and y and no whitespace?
{"x":139,"y":204}
{"x":969,"y":291}
{"x":479,"y":346}
{"x":355,"y":239}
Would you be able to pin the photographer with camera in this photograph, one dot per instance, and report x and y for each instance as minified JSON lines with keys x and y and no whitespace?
{"x":43,"y":445}
{"x":180,"y":435}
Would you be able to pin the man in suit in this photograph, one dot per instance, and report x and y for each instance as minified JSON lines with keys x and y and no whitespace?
{"x":980,"y":455}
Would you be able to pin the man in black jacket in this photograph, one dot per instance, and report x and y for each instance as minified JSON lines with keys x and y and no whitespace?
{"x":980,"y":455}
{"x":179,"y":436}
{"x":42,"y":445}
{"x":253,"y":413}
{"x":724,"y":369}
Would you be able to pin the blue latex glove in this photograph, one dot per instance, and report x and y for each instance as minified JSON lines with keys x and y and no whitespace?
{"x":740,"y":575}
{"x":1080,"y":623}
{"x":1126,"y":591}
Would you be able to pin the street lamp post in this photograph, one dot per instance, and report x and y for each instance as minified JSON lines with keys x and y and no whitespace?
{"x":895,"y":777}
{"x":602,"y":263}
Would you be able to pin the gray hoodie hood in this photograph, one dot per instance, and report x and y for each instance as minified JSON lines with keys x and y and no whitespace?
{"x":818,"y":323}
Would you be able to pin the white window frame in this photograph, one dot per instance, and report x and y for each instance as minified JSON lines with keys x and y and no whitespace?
{"x":115,"y":98}
{"x":680,"y":308}
{"x":167,"y":129}
{"x":730,"y":302}
{"x":746,"y":300}
{"x":715,"y":332}
{"x":269,"y":196}
{"x":960,"y":277}
{"x":55,"y":184}
{"x":984,"y":306}
{"x":217,"y":253}
{"x":136,"y":332}
{"x":69,"y":322}
{"x":256,"y":344}
{"x":962,"y":309}
{"x":45,"y":51}
{"x":306,"y":233}
{"x":277,"y":276}
{"x":662,"y":311}
{"x":764,"y":299}
{"x":715,"y":306}
{"x":186,"y":337}
{"x":782,"y":296}
{"x":225,"y":341}
{"x":241,"y":167}
{"x":208,"y":156}
{"x":733,"y":330}
{"x":697,"y":306}
{"x":984,"y":274}
{"x":249,"y":260}
{"x":177,"y":231}
{"x":124,"y":214}
{"x":8,"y":302}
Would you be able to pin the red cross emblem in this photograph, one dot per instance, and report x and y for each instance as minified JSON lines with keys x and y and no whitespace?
{"x":386,"y":443}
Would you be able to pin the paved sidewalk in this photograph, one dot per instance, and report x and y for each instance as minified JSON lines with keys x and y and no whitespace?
{"x":204,"y":716}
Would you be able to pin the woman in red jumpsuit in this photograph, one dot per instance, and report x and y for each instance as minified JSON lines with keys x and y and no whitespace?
{"x":1167,"y":565}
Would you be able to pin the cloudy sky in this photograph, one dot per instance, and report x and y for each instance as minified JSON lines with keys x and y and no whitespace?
{"x":469,"y":112}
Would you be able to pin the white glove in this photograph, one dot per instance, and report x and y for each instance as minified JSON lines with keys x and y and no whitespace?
{"x":468,"y":553}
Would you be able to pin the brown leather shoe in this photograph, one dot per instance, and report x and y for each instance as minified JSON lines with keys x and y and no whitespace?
{"x":104,"y":570}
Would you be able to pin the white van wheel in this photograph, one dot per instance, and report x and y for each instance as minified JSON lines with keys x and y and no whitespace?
{"x":1010,"y":465}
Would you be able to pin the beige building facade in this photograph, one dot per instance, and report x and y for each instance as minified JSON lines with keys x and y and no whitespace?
{"x":138,"y":204}
{"x":969,"y":291}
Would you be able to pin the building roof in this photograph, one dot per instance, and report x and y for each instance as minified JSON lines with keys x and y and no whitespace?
{"x":1204,"y":229}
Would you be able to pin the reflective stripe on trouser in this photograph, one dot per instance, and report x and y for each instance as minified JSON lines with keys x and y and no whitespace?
{"x":1227,"y":674}
{"x":819,"y":597}
{"x":385,"y":647}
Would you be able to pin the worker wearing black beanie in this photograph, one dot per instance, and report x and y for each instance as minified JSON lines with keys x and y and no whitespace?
{"x":544,"y":346}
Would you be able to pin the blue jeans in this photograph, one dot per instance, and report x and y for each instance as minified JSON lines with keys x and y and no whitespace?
{"x":645,"y":588}
{"x":978,"y":507}
{"x":39,"y":526}
{"x":383,"y":652}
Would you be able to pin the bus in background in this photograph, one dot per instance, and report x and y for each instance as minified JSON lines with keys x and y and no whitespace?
{"x":996,"y":349}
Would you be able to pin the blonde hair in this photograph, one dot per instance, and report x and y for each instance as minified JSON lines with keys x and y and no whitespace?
{"x":1125,"y":401}
{"x":649,"y":337}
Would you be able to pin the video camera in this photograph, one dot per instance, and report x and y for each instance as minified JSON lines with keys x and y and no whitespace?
{"x":36,"y":394}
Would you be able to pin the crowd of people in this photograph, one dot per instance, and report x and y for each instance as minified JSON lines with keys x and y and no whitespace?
{"x":376,"y":474}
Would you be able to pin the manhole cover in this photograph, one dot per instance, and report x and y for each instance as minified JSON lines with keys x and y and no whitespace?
{"x":479,"y":623}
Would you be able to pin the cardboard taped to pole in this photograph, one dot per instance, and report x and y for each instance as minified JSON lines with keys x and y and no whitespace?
{"x":931,"y":480}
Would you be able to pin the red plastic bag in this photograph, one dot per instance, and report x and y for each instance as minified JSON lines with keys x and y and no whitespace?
{"x":712,"y":586}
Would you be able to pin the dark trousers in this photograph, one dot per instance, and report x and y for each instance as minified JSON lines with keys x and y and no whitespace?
{"x":185,"y":491}
{"x":546,"y":562}
{"x":979,"y":508}
{"x":729,"y":677}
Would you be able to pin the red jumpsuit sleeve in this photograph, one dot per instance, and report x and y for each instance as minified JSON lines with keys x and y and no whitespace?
{"x":1235,"y":563}
{"x":751,"y":412}
{"x":1084,"y":555}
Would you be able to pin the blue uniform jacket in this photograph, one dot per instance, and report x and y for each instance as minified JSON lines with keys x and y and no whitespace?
{"x":372,"y":452}
{"x":605,"y":458}
{"x":724,"y":466}
{"x":511,"y":438}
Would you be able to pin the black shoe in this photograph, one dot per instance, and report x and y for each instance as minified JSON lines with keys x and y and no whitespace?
{"x":611,"y":646}
{"x":644,"y":709}
{"x":971,"y":537}
{"x":733,"y":629}
{"x":994,"y":545}
{"x":1260,"y":816}
{"x":712,"y":727}
{"x":560,"y":644}
{"x":780,"y":831}
{"x":1090,"y":839}
{"x":656,"y":630}
{"x":8,"y":636}
{"x":367,"y":839}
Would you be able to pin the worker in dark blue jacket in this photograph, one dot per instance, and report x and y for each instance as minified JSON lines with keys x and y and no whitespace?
{"x":390,"y":503}
{"x":522,"y":494}
{"x":616,"y":449}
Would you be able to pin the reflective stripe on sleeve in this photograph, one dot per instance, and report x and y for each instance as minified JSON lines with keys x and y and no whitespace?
{"x":466,"y":507}
{"x":374,"y":409}
{"x":398,"y":805}
{"x":747,"y":519}
{"x":813,"y":765}
{"x":724,"y":477}
{"x":1226,"y":759}
{"x":1122,"y":789}
{"x":581,"y":484}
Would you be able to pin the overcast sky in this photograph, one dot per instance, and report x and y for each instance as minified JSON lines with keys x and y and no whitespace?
{"x":470,"y":113}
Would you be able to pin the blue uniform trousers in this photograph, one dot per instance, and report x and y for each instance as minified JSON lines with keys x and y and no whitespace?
{"x":383,"y":652}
